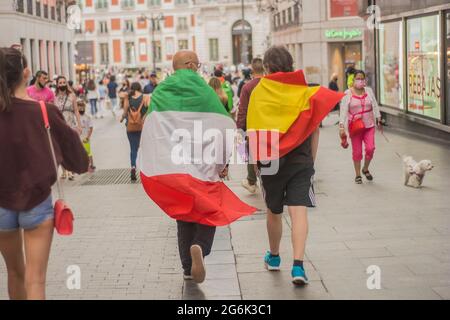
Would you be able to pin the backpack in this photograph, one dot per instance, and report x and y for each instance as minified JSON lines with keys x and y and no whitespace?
{"x":135,"y":119}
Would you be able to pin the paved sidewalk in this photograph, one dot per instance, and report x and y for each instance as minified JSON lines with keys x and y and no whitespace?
{"x":404,"y":231}
{"x":127,"y":249}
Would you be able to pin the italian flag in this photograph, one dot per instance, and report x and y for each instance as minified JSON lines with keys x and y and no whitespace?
{"x":283,"y":112}
{"x":186,"y":128}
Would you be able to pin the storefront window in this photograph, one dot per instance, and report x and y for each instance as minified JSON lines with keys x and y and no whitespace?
{"x":448,"y":67}
{"x":424,"y":58}
{"x":391,"y":65}
{"x":342,"y":55}
{"x":389,"y":7}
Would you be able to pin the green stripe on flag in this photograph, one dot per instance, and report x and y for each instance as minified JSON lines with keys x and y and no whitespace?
{"x":186,"y":91}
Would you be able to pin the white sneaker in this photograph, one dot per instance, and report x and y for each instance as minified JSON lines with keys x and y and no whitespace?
{"x":198,"y":271}
{"x":248,"y":186}
{"x":187,"y":277}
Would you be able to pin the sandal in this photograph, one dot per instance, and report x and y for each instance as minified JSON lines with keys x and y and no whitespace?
{"x":358,"y":180}
{"x":368,"y":175}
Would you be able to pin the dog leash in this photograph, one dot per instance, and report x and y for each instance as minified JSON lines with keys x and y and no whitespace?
{"x":388,"y":141}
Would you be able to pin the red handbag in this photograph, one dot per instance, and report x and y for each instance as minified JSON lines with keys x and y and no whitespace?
{"x":63,"y":214}
{"x":357,"y":126}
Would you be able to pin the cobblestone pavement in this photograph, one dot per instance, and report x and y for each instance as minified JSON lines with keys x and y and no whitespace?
{"x":126,"y":247}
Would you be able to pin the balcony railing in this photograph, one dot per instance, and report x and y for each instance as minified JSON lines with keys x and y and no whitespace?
{"x":182,"y":28}
{"x":128,"y":31}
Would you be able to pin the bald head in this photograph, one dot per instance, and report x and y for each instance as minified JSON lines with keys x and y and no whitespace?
{"x":185,"y":59}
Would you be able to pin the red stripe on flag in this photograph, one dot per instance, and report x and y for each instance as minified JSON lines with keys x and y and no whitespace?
{"x":183,"y":197}
{"x":294,"y":78}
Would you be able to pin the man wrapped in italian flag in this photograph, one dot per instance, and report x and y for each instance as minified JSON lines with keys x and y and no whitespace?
{"x":186,"y":144}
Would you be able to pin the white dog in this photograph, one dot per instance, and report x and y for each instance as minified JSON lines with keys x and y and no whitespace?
{"x":415,"y":171}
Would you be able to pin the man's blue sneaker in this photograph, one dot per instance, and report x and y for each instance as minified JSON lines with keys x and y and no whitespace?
{"x":272,"y":263}
{"x":299,"y":276}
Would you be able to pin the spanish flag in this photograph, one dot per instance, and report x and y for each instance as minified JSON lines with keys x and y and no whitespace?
{"x":283,"y":112}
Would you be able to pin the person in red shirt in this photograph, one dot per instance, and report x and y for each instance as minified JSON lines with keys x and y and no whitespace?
{"x":244,"y":99}
{"x":39,"y":90}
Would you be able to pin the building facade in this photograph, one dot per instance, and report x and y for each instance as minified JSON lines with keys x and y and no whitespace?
{"x":40,"y":26}
{"x":113,"y":33}
{"x":323,"y":36}
{"x":412,"y":65}
{"x":220,"y":31}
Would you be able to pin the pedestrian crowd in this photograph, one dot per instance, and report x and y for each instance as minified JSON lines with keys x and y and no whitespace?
{"x":73,"y":109}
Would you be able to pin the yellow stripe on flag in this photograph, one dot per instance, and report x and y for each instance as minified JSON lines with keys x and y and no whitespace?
{"x":275,"y":106}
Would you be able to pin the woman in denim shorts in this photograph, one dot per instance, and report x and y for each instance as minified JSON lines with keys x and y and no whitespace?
{"x":27,"y":174}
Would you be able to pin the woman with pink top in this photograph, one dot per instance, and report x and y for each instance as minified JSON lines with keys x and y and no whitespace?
{"x":360,"y":113}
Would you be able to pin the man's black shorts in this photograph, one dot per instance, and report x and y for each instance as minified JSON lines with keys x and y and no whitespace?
{"x":291,"y":186}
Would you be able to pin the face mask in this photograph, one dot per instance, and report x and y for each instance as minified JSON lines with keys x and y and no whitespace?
{"x":82,"y":112}
{"x":360,"y":84}
{"x":63,"y":88}
{"x":40,"y":85}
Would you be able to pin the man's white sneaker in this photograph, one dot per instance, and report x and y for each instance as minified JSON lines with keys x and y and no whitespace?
{"x":250,"y":188}
{"x":187,"y":277}
{"x":198,"y":271}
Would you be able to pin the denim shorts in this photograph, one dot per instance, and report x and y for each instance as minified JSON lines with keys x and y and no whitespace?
{"x":13,"y":220}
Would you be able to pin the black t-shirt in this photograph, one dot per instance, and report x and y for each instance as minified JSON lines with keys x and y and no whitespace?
{"x":301,"y":154}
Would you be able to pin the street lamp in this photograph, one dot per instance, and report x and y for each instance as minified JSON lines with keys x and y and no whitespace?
{"x":243,"y":44}
{"x":154,"y":21}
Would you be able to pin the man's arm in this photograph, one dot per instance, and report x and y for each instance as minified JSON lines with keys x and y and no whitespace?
{"x":91,"y":129}
{"x":243,"y":107}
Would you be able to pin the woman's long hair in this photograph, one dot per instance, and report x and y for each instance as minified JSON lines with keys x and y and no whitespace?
{"x":127,"y":83}
{"x":12,"y":64}
{"x":135,"y":87}
{"x":91,"y":85}
{"x":57,"y":92}
{"x":217,"y":87}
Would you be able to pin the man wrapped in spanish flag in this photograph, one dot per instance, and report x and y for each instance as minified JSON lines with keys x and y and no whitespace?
{"x":283,"y":114}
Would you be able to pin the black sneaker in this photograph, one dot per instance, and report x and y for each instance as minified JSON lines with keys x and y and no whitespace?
{"x":133,"y":174}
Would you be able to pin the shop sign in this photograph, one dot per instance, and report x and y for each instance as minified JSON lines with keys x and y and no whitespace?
{"x":344,"y":34}
{"x":343,"y":8}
